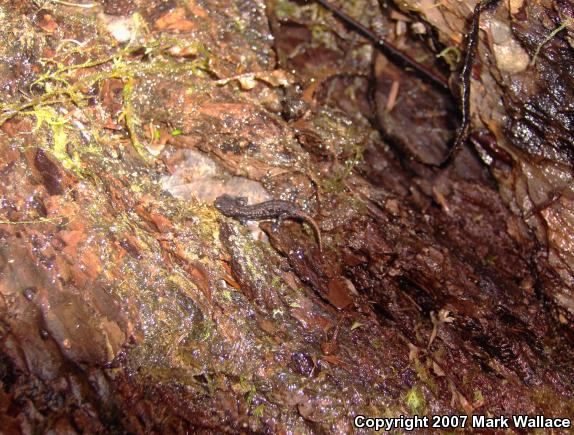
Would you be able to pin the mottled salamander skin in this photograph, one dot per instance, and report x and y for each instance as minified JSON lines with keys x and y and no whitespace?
{"x":237,"y":207}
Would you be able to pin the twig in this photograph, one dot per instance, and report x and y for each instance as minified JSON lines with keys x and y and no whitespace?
{"x":40,"y":220}
{"x":75,"y":5}
{"x":386,"y":47}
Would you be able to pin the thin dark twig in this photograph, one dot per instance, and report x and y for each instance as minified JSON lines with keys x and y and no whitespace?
{"x":386,"y":47}
{"x":465,"y":76}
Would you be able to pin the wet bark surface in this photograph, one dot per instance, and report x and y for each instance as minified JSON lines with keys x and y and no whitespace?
{"x":129,"y":304}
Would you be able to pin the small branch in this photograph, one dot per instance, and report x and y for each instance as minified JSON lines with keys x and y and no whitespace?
{"x":386,"y":47}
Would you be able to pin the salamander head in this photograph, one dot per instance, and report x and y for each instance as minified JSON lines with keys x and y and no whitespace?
{"x":227,"y":204}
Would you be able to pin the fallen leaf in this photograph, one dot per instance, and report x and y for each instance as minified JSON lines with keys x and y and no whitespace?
{"x":338,"y":294}
{"x":47,"y":24}
{"x":175,"y":20}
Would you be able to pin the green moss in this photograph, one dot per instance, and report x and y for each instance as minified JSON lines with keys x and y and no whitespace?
{"x":551,"y":35}
{"x":226,"y":295}
{"x":425,"y":376}
{"x":478,"y":397}
{"x":39,"y":220}
{"x":285,"y":9}
{"x":276,"y":281}
{"x":489,"y":260}
{"x":452,"y":56}
{"x":62,"y":85}
{"x":415,"y":401}
{"x":131,"y":118}
{"x":58,"y":126}
{"x":258,"y":412}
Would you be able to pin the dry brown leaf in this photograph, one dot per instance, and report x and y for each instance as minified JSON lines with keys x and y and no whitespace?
{"x":175,"y":20}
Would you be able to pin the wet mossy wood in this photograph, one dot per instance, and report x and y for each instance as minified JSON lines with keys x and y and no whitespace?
{"x":129,"y":304}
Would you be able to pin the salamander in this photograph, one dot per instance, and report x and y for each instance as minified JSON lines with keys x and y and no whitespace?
{"x":237,"y":207}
